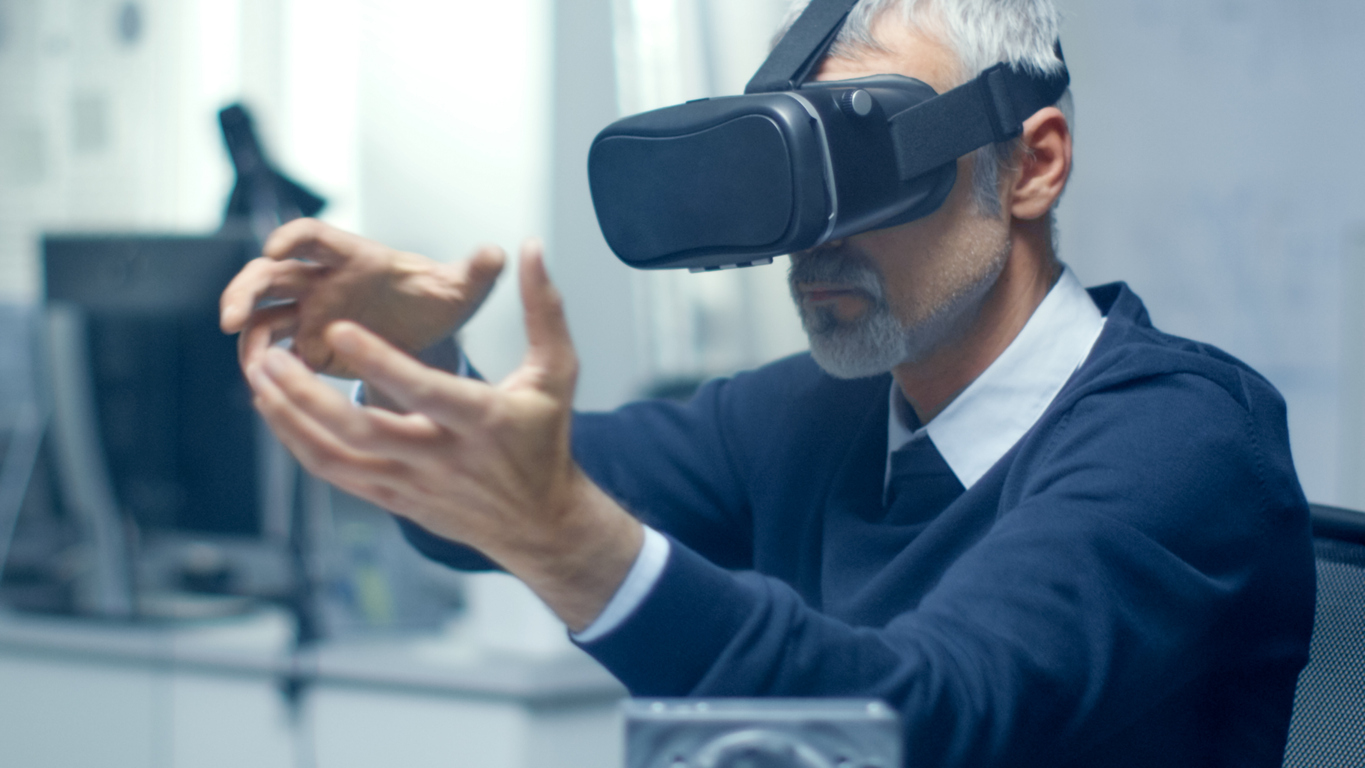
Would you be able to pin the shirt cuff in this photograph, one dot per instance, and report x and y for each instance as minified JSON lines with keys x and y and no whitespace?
{"x":445,"y":355}
{"x":644,"y":574}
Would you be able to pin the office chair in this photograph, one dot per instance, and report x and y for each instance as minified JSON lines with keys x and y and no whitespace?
{"x":1328,"y":727}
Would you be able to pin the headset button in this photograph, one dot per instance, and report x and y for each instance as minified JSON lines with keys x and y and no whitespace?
{"x":856,"y":103}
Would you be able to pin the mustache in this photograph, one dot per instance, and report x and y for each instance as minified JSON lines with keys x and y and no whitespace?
{"x":836,"y":265}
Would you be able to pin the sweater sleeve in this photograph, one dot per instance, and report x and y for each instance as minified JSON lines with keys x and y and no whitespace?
{"x":1154,"y":536}
{"x":670,"y":465}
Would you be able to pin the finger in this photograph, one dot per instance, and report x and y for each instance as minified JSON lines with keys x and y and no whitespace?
{"x":383,"y":495}
{"x":365,"y":430}
{"x":315,"y":353}
{"x":550,"y":356}
{"x":261,"y":279}
{"x":240,"y":296}
{"x":374,"y":482}
{"x":318,"y":450}
{"x":266,"y":327}
{"x":481,"y":273}
{"x":449,"y":400}
{"x":313,"y":240}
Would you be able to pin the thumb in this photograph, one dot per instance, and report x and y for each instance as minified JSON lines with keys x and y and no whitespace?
{"x":550,"y":357}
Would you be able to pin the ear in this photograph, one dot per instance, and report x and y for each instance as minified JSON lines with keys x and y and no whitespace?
{"x":1044,"y":167}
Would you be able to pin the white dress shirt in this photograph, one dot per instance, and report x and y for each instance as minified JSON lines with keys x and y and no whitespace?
{"x":988,"y":417}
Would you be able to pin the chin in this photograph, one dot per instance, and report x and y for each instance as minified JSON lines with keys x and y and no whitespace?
{"x":837,"y":370}
{"x":860,"y":354}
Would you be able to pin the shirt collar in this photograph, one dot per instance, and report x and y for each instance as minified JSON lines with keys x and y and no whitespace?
{"x":983,"y":422}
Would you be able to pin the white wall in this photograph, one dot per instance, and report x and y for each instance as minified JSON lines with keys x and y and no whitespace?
{"x":100,"y":133}
{"x":455,"y":139}
{"x":1216,"y":172}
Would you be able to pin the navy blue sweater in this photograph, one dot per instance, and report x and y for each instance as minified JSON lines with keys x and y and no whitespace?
{"x":1130,"y":585}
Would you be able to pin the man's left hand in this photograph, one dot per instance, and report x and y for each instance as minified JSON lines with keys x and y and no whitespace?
{"x":486,"y":466}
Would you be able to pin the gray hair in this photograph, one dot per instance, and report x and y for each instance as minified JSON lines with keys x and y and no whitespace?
{"x":982,"y":33}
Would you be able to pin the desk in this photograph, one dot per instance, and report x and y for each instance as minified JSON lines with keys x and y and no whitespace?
{"x":75,"y":692}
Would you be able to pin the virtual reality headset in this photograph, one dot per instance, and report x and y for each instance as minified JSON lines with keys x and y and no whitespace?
{"x":735,"y":181}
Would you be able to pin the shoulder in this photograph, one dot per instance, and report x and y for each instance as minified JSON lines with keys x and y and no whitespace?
{"x":1168,"y":432}
{"x":1150,"y":380}
{"x":1131,"y":352}
{"x":1173,"y":457}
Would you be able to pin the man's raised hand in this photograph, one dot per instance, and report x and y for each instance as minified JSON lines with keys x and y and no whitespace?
{"x":311,"y":274}
{"x":488,"y":466}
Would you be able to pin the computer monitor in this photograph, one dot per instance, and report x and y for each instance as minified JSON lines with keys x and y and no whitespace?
{"x":171,"y":411}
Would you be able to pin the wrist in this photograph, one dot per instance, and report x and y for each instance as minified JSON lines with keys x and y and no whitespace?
{"x":583,"y":557}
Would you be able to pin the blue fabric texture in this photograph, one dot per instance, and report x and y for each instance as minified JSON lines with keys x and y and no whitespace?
{"x":1130,"y":585}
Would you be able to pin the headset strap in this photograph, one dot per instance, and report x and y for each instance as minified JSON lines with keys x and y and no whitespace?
{"x":802,"y":48}
{"x":990,"y":109}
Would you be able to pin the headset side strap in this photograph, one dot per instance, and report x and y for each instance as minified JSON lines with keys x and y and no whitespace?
{"x":990,"y":109}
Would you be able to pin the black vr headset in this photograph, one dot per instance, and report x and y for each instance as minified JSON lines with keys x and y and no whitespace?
{"x":735,"y":181}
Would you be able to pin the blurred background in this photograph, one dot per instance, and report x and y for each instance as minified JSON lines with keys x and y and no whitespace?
{"x":1212,"y":174}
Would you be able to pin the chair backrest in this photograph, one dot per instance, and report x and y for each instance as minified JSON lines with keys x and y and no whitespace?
{"x":1328,"y":728}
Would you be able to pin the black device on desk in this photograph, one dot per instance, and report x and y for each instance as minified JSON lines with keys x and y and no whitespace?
{"x":151,"y":433}
{"x":262,"y":197}
{"x":152,"y":427}
{"x":173,"y":413}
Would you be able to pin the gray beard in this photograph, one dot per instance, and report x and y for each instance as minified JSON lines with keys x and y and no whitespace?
{"x":877,"y":342}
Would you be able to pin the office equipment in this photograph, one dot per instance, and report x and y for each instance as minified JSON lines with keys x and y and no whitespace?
{"x":153,"y":434}
{"x":761,"y":733}
{"x":105,"y":586}
{"x":171,"y":412}
{"x":262,"y":197}
{"x":1328,"y":729}
{"x":22,"y":419}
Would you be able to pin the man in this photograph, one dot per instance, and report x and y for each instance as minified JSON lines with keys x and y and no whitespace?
{"x":1050,"y":536}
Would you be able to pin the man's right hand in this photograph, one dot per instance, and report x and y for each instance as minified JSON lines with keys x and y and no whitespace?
{"x":311,"y":274}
